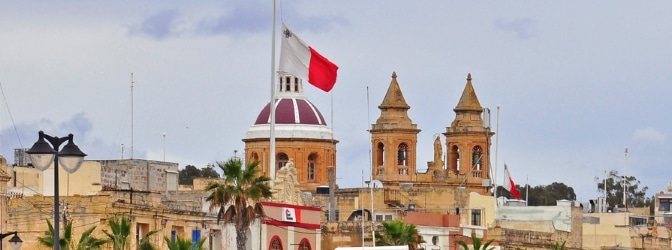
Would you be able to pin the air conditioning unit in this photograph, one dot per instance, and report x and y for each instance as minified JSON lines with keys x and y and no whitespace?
{"x":486,"y":183}
{"x":405,"y":185}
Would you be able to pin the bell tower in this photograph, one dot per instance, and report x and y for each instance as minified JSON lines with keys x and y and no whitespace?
{"x":393,"y":139}
{"x":468,"y":141}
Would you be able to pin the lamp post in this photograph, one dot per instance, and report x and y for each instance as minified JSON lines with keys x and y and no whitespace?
{"x":43,"y":154}
{"x":15,"y":242}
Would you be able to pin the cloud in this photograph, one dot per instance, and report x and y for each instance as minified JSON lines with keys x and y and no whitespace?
{"x":23,"y":135}
{"x":242,"y":17}
{"x":237,"y":18}
{"x":649,"y":135}
{"x":524,"y":28}
{"x":159,"y":26}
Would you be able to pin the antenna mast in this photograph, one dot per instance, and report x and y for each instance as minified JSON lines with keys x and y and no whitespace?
{"x":496,"y":154}
{"x":131,"y":115}
{"x":625,"y":203}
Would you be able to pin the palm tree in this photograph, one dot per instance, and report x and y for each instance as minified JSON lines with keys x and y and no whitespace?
{"x":238,"y":198}
{"x":145,"y":243}
{"x":398,"y":233}
{"x":184,"y":244}
{"x":86,"y":240}
{"x":477,"y":243}
{"x":121,"y":229}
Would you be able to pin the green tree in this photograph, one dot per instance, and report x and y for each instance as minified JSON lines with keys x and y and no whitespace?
{"x":542,"y":195}
{"x":398,"y":233}
{"x":634,"y":196}
{"x":86,"y":240}
{"x":145,"y":243}
{"x":186,"y":176}
{"x":238,"y":198}
{"x":209,"y":172}
{"x":184,"y":244}
{"x":477,"y":243}
{"x":121,"y":229}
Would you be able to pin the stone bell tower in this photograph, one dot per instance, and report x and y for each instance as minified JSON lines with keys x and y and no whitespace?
{"x":468,"y":141}
{"x":393,"y":139}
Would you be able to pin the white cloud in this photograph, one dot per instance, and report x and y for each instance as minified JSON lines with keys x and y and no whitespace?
{"x":649,"y":135}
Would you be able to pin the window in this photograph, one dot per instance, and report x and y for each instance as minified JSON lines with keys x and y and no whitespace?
{"x":454,"y":159}
{"x":382,"y":217}
{"x":475,"y":217}
{"x":288,"y":83}
{"x":282,"y":160}
{"x":175,"y":232}
{"x":311,"y":167}
{"x":402,"y":155}
{"x":380,"y":152}
{"x":665,"y":205}
{"x":195,"y":238}
{"x":255,"y":157}
{"x":296,"y":84}
{"x":141,"y":229}
{"x":476,"y":158}
{"x":304,"y":245}
{"x":275,"y":243}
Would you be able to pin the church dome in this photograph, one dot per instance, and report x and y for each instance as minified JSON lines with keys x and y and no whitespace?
{"x":295,"y":116}
{"x":292,"y":111}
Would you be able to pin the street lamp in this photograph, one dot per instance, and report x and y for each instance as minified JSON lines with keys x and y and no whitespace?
{"x":42,"y":154}
{"x":15,"y":242}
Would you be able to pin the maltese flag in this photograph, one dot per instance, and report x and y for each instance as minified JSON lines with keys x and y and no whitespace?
{"x":303,"y":61}
{"x":509,"y":185}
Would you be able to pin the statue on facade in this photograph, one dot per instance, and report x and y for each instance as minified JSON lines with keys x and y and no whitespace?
{"x":285,"y":190}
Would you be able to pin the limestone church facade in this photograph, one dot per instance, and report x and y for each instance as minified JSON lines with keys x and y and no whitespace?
{"x":464,"y":162}
{"x":303,"y":136}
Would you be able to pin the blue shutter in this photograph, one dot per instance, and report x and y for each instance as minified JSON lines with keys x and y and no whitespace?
{"x":195,"y":238}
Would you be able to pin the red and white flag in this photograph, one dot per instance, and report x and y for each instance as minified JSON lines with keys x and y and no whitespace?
{"x":509,"y":185}
{"x":303,"y":61}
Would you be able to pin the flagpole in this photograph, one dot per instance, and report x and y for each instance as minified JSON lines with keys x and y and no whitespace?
{"x":496,"y":153}
{"x":271,"y":167}
{"x":527,"y":190}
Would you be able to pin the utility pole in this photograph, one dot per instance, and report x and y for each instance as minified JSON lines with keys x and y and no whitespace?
{"x":625,"y":203}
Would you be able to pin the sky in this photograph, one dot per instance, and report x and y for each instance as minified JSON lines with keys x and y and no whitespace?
{"x":576,"y":83}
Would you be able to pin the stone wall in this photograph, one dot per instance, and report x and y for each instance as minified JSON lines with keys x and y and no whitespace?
{"x":28,"y":216}
{"x":141,"y":175}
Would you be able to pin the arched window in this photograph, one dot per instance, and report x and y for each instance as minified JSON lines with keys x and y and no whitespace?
{"x":476,"y":158}
{"x":380,"y":152}
{"x":254,"y":157}
{"x":312,"y":158}
{"x":282,"y":160}
{"x":454,"y":158}
{"x":304,"y":245}
{"x":402,"y":155}
{"x":275,"y":244}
